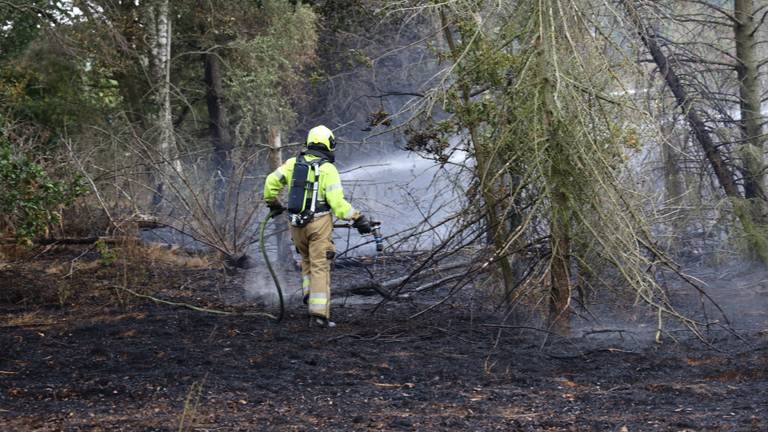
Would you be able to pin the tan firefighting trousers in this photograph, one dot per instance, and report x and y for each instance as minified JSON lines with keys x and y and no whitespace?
{"x":314,"y":243}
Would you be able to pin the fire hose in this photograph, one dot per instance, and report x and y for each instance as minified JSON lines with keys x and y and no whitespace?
{"x":376,"y":231}
{"x":270,"y":215}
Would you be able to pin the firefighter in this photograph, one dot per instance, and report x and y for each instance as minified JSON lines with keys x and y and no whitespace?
{"x":315,"y":194}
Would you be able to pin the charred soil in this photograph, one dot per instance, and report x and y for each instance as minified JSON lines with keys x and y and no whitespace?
{"x":78,"y":353}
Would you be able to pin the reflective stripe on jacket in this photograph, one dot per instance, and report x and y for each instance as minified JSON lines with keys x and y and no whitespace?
{"x":329,"y":188}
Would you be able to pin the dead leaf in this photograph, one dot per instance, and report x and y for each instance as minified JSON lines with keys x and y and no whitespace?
{"x":385,"y":385}
{"x":15,"y":392}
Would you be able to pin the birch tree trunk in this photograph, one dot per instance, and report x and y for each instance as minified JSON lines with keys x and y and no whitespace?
{"x":159,"y":32}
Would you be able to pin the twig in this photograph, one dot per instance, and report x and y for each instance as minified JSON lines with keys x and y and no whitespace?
{"x":196,"y":308}
{"x":511,"y":327}
{"x":584,"y":354}
{"x":605,"y":331}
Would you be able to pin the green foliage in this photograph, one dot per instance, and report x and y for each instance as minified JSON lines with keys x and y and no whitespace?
{"x":543,"y":96}
{"x":52,"y":90}
{"x":30,"y":199}
{"x":357,"y":57}
{"x":264,"y":81}
{"x":19,"y":26}
{"x":108,"y":255}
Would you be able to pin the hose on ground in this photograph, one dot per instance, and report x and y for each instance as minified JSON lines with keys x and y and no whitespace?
{"x":271,"y":215}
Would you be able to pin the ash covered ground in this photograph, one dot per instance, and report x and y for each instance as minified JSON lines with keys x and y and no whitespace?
{"x":103,"y":360}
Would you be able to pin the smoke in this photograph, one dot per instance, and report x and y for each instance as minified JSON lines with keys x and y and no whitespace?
{"x":739,"y":303}
{"x":260,"y":287}
{"x":741,"y":290}
{"x":258,"y":283}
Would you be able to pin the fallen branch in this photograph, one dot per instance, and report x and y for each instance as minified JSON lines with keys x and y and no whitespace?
{"x":520,"y":327}
{"x":384,"y":289}
{"x":196,"y":308}
{"x":75,"y":240}
{"x":431,"y":285}
{"x":110,"y":240}
{"x":584,"y":354}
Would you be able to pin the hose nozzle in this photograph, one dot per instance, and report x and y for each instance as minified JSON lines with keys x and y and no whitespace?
{"x":376,"y":228}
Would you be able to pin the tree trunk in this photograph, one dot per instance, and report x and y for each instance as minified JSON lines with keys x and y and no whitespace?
{"x":560,"y":268}
{"x":674,"y":186}
{"x":159,"y":26}
{"x":673,"y":183}
{"x":751,"y":116}
{"x":497,"y":226}
{"x":715,"y":158}
{"x":284,"y":250}
{"x":218,"y":125}
{"x":559,"y":225}
{"x":756,"y":239}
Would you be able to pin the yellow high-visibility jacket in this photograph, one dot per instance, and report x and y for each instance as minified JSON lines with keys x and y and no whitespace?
{"x":329,"y":187}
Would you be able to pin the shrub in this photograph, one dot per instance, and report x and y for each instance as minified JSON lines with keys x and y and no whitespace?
{"x":30,"y":200}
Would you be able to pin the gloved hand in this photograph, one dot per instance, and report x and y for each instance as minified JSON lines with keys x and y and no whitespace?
{"x":362,"y":224}
{"x":275,"y":207}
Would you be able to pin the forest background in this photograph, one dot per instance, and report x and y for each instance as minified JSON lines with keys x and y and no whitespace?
{"x":588,"y":144}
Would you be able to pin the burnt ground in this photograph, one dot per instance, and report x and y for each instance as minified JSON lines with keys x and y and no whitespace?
{"x":79,"y":354}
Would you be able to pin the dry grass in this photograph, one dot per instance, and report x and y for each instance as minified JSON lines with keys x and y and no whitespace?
{"x":174,"y":256}
{"x":14,"y":252}
{"x":189,"y":414}
{"x":29,"y":319}
{"x":67,"y":275}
